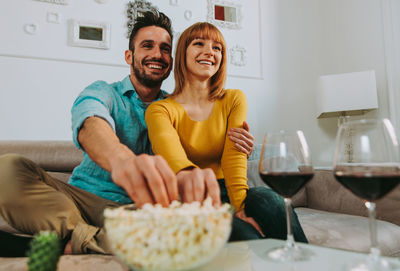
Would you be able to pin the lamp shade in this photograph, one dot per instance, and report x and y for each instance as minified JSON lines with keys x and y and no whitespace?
{"x":350,"y":93}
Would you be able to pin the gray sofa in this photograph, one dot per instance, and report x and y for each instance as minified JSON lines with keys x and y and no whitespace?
{"x":330,"y":215}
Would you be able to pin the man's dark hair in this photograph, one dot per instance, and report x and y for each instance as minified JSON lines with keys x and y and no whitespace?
{"x":150,"y":18}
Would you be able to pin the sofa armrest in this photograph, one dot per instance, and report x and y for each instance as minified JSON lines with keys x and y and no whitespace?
{"x":59,"y":156}
{"x":325,"y":193}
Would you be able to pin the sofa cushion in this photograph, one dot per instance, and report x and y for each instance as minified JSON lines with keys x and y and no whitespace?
{"x":387,"y":208}
{"x":326,"y":194}
{"x":347,"y":231}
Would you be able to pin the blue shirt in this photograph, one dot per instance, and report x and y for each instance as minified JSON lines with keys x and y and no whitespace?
{"x":120,"y":105}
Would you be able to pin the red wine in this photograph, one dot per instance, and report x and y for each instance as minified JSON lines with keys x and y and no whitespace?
{"x":286,"y":184}
{"x":370,"y":186}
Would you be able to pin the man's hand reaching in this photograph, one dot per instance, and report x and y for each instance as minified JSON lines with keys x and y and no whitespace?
{"x":146,"y":179}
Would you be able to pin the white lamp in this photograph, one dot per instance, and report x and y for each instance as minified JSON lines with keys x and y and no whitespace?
{"x":346,"y":94}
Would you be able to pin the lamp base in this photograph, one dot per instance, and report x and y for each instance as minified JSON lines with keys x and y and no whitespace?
{"x":342,"y":120}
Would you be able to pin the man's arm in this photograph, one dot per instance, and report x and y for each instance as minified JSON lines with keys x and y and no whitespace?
{"x":243,"y":139}
{"x":146,"y":179}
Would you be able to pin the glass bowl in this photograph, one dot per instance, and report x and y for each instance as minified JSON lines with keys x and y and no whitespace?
{"x":180,"y":237}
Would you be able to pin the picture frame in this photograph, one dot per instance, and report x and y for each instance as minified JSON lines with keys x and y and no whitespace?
{"x":135,"y":9}
{"x":224,"y":14}
{"x":31,"y":28}
{"x":57,"y":2}
{"x":53,"y":17}
{"x":89,"y":34}
{"x":237,"y":56}
{"x":173,"y":3}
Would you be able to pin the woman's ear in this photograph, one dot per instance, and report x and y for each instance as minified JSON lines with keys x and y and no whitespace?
{"x":128,"y":57}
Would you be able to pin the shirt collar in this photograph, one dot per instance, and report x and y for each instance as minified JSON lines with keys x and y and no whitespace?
{"x":127,"y":86}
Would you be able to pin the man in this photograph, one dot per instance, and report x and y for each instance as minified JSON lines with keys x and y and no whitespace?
{"x":117,"y":168}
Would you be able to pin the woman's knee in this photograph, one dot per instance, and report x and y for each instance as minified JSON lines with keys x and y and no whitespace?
{"x":260,"y":198}
{"x":263,"y":194}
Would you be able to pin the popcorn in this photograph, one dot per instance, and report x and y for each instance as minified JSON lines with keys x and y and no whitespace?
{"x":178,"y":237}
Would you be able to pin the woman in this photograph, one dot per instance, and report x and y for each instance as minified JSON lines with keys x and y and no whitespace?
{"x":189,"y":130}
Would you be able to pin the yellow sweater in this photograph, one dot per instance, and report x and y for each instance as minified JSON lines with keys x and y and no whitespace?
{"x":184,"y":142}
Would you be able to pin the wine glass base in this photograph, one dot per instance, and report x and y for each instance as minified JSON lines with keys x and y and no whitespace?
{"x":371,"y":265}
{"x":289,"y":254}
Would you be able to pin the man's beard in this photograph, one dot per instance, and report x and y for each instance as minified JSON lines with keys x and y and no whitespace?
{"x":148,"y":80}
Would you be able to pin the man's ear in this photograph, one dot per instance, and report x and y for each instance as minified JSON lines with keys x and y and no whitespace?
{"x":129,"y":57}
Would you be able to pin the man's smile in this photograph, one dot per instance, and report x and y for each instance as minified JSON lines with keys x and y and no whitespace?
{"x":155,"y":64}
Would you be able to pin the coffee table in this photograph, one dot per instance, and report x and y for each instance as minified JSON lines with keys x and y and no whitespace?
{"x":250,"y":256}
{"x":235,"y":256}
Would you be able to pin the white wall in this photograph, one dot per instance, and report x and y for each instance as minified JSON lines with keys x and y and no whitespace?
{"x":391,"y":26}
{"x":41,"y":75}
{"x":36,"y":95}
{"x":352,"y":41}
{"x":301,"y":40}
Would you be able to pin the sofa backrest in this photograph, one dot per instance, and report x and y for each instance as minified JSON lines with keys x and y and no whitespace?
{"x":323,"y":192}
{"x":56,"y":156}
{"x":326,"y":194}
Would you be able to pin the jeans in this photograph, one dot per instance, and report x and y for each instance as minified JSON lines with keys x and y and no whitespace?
{"x":268,"y":209}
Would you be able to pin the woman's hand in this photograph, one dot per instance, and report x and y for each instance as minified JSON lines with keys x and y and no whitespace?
{"x":242,"y":215}
{"x":197,"y":184}
{"x":243,"y":139}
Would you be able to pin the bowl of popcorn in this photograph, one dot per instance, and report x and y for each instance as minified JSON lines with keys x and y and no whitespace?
{"x":179,"y":237}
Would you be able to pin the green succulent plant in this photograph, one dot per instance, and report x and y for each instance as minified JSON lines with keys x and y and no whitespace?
{"x":44,"y":253}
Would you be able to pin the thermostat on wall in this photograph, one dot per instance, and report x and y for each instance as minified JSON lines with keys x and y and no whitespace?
{"x":89,"y":34}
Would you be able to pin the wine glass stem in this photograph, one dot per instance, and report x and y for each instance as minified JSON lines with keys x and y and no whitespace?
{"x":290,"y":239}
{"x":375,"y":252}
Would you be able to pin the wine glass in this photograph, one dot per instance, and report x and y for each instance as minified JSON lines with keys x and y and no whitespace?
{"x":367,"y":162}
{"x":285,"y":166}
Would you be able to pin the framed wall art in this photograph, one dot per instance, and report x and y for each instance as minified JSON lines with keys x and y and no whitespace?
{"x":224,"y":14}
{"x":237,"y":56}
{"x":58,"y":2}
{"x":240,"y":23}
{"x":134,"y":10}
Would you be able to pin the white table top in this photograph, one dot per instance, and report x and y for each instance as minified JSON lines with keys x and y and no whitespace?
{"x":250,"y":256}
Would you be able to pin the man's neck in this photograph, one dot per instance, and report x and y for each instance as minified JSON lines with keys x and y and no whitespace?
{"x":145,"y":93}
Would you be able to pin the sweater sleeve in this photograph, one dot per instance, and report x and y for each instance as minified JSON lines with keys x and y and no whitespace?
{"x":234,"y":162}
{"x":164,"y":137}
